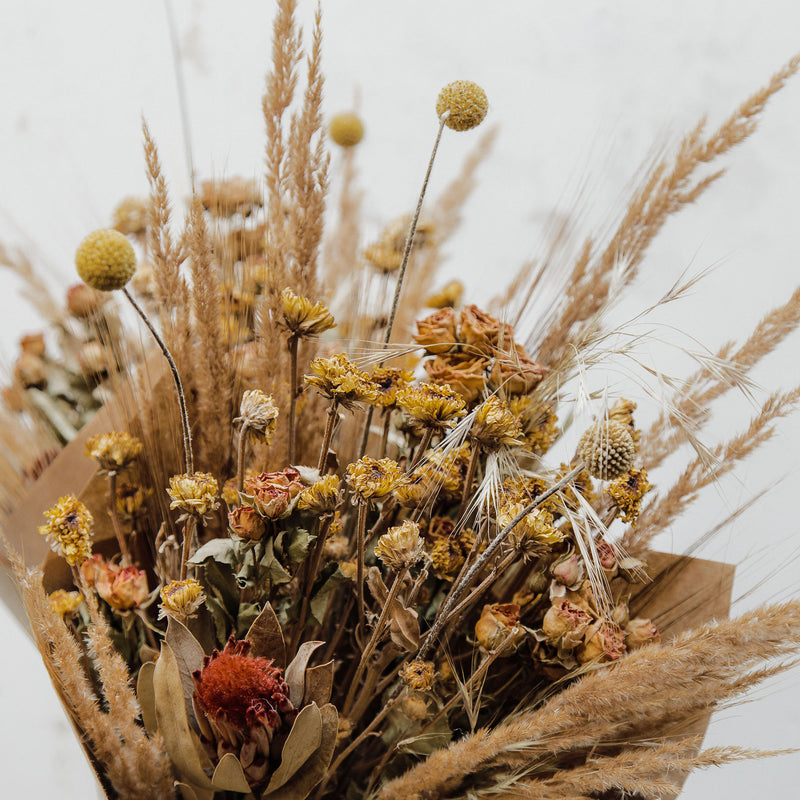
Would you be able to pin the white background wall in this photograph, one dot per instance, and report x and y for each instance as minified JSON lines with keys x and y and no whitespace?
{"x":582,"y":92}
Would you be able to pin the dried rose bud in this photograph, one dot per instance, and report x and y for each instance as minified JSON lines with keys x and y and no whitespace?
{"x":273,"y":492}
{"x":498,"y":622}
{"x":33,"y":344}
{"x":604,"y":641}
{"x":415,"y":707}
{"x":438,"y":332}
{"x":31,"y":371}
{"x":83,"y":301}
{"x":95,"y":359}
{"x":246,"y":523}
{"x":565,"y":624}
{"x":608,"y":559}
{"x":568,"y":570}
{"x":122,"y":588}
{"x":516,"y":373}
{"x":483,"y":331}
{"x":639,"y":632}
{"x":463,"y":372}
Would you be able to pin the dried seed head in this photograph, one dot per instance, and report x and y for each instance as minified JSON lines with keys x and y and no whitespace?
{"x":607,"y":450}
{"x":68,"y":529}
{"x":259,"y":412}
{"x":466,"y":102}
{"x":346,"y":130}
{"x":105,"y":260}
{"x":419,"y":675}
{"x":401,"y":546}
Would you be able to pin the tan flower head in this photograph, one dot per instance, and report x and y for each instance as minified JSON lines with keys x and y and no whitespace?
{"x":373,"y":480}
{"x":497,"y":624}
{"x":450,"y":295}
{"x":105,"y":260}
{"x":383,"y":257}
{"x":194,"y":494}
{"x":346,"y":129}
{"x":400,"y":546}
{"x":465,"y":103}
{"x":516,"y":372}
{"x":181,"y":599}
{"x":68,"y":530}
{"x":64,"y":603}
{"x":432,"y":405}
{"x":627,"y":492}
{"x":607,"y":450}
{"x":419,"y":675}
{"x":388,"y":381}
{"x":94,"y":359}
{"x":321,"y":497}
{"x":229,"y":196}
{"x":83,"y":301}
{"x":565,"y":624}
{"x":639,"y":632}
{"x":337,"y":378}
{"x":130,"y":215}
{"x":303,"y":318}
{"x":484,"y":332}
{"x":273,"y":492}
{"x":113,"y":451}
{"x":438,"y":332}
{"x":494,"y":424}
{"x":259,"y":412}
{"x":533,"y":530}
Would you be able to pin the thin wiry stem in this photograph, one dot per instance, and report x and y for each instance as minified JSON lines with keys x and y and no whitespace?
{"x":187,"y":433}
{"x":292,"y":398}
{"x":240,"y":456}
{"x":115,"y":523}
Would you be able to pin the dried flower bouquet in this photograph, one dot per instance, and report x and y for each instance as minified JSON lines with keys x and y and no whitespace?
{"x":321,"y":557}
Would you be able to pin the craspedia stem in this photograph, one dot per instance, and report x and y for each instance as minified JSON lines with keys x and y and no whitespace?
{"x":187,"y":433}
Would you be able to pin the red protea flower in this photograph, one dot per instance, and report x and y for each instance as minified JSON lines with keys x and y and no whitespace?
{"x":242,"y":705}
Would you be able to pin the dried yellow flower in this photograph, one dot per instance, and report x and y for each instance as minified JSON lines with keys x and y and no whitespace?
{"x":229,"y":196}
{"x":321,"y":497}
{"x":607,"y":450}
{"x":401,"y":546}
{"x":449,"y":296}
{"x":259,"y":412}
{"x":194,"y":494}
{"x":494,"y":424}
{"x":627,"y":492}
{"x":373,"y":480}
{"x":535,"y":529}
{"x":68,"y":530}
{"x":466,"y":103}
{"x":346,"y":129}
{"x":383,"y":257}
{"x":105,"y":260}
{"x":303,"y":318}
{"x":181,"y":599}
{"x":435,"y":406}
{"x":337,"y":378}
{"x":64,"y":603}
{"x":419,"y":675}
{"x":388,"y":381}
{"x":113,"y":451}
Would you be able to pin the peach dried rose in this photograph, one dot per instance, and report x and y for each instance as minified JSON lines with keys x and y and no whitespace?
{"x":483,"y":331}
{"x":437,"y":333}
{"x":463,"y":372}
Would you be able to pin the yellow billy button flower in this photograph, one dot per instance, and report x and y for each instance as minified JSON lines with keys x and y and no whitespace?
{"x":194,"y":494}
{"x":321,"y":497}
{"x":466,"y":103}
{"x":607,"y":450}
{"x":494,"y":425}
{"x":68,"y":530}
{"x":401,"y":546}
{"x":346,"y":129}
{"x":105,"y":260}
{"x":64,"y":603}
{"x":433,"y":405}
{"x":373,"y":480}
{"x":113,"y":451}
{"x":259,"y":412}
{"x":181,"y":599}
{"x":303,"y":318}
{"x":337,"y":378}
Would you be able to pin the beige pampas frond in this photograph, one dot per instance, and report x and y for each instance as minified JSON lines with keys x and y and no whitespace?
{"x":666,"y":189}
{"x":211,"y":373}
{"x":137,"y":766}
{"x":646,"y":695}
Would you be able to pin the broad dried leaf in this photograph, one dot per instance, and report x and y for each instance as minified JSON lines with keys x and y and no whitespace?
{"x":221,"y":550}
{"x":146,"y":696}
{"x":173,"y":722}
{"x":188,"y":655}
{"x":300,"y":786}
{"x":403,"y":622}
{"x":266,"y":636}
{"x":295,"y":674}
{"x":319,"y":684}
{"x":193,"y":793}
{"x":229,"y":775}
{"x":303,"y":740}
